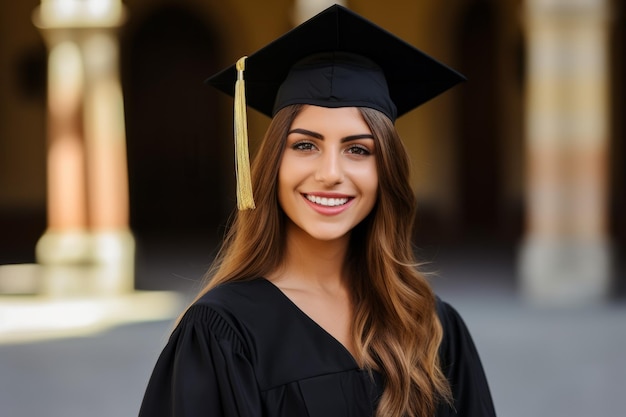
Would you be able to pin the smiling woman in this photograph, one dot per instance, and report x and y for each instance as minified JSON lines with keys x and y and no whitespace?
{"x":314,"y":306}
{"x":327,"y":181}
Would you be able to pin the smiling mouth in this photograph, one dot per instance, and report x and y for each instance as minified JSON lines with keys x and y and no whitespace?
{"x":327,"y":201}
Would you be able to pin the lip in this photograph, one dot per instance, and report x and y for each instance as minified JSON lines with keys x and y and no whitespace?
{"x":326,"y":210}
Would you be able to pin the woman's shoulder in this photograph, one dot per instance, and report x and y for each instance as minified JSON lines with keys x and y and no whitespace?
{"x":457,"y":340}
{"x":450,"y":319}
{"x":444,"y":309}
{"x":225,"y":312}
{"x":460,"y":362}
{"x":232,"y":294}
{"x":242,"y":305}
{"x":231,"y":300}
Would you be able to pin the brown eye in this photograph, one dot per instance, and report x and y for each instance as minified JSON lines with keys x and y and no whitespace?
{"x":358,"y":150}
{"x":304,"y":146}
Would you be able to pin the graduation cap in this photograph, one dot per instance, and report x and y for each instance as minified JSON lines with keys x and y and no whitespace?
{"x":335,"y":59}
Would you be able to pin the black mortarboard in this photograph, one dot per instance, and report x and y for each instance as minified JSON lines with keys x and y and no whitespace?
{"x":335,"y":59}
{"x":412,"y":77}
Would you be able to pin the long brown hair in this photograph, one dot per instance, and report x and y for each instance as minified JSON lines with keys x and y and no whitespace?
{"x":396,"y":330}
{"x":395,"y":324}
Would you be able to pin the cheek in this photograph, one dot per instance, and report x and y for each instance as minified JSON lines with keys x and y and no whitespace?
{"x":292,"y":170}
{"x":283,"y":168}
{"x":369,"y":181}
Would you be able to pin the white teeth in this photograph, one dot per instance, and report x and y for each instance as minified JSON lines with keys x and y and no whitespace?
{"x":324,"y":201}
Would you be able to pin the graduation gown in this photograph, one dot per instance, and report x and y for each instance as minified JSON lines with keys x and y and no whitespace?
{"x":246,"y":350}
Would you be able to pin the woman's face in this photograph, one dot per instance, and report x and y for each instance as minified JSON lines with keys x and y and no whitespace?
{"x":327,"y":181}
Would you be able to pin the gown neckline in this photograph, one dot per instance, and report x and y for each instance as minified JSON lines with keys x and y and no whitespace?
{"x":308,"y":318}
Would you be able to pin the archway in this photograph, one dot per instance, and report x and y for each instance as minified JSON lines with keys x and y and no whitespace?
{"x":180,"y":169}
{"x":175,"y":156}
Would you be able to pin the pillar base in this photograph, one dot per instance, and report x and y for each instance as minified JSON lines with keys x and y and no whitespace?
{"x":64,"y":248}
{"x":565,"y":272}
{"x":113,"y":254}
{"x":78,"y":263}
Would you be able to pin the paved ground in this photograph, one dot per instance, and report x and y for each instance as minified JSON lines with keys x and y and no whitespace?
{"x":540,"y":362}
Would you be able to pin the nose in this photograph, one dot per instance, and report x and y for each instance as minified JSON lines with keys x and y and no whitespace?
{"x":329,"y":170}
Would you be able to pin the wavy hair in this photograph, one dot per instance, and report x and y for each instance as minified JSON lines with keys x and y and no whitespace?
{"x":396,"y":330}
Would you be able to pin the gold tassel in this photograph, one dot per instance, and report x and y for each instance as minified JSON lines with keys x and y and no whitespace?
{"x":245,"y":199}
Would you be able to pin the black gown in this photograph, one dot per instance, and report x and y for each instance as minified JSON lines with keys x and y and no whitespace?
{"x":246,"y":350}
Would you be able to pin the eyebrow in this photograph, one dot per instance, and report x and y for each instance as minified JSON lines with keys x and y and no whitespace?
{"x":321,"y":137}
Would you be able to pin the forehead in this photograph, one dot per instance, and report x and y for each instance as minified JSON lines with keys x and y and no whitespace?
{"x":325,"y":119}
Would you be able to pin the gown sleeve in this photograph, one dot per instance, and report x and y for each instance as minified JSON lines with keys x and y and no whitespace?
{"x":202,"y":371}
{"x":462,"y":366}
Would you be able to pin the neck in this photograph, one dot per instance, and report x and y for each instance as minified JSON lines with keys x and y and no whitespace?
{"x":313,"y":262}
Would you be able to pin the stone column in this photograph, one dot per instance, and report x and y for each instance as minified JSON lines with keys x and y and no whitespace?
{"x":87,"y":245}
{"x":66,"y":238}
{"x":565,"y":256}
{"x":107,"y":203}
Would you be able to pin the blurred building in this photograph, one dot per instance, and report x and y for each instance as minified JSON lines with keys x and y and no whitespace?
{"x":491,"y":164}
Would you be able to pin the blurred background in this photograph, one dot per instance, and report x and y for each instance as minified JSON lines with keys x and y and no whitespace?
{"x":116,"y":182}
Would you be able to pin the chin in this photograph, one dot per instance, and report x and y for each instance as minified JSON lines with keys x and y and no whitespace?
{"x":330,"y":234}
